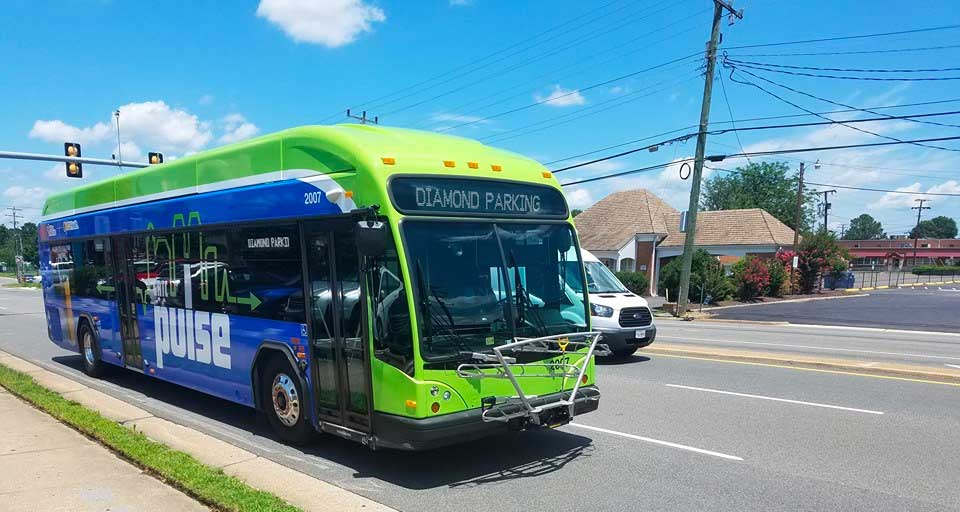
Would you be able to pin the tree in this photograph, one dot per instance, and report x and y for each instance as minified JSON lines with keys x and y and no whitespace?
{"x":937,"y":227}
{"x":819,"y":252}
{"x":576,"y":211}
{"x":767,"y":185}
{"x":864,"y":227}
{"x":706,"y":275}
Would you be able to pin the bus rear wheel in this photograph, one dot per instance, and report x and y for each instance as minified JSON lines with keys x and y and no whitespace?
{"x":284,"y":403}
{"x":90,"y":350}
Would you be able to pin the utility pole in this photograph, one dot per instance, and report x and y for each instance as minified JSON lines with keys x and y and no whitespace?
{"x":843,"y":230}
{"x":796,"y":224}
{"x":719,"y":6}
{"x":826,"y":206}
{"x":19,"y":242}
{"x":916,"y":236}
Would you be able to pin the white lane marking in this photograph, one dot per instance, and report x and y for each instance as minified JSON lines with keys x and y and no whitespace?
{"x":657,"y":441}
{"x":761,"y":397}
{"x":786,"y":325}
{"x":868,"y":365}
{"x":951,"y":365}
{"x":1,"y":307}
{"x":838,"y":349}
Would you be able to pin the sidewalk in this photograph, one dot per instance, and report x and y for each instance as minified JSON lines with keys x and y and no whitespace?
{"x":47,"y":466}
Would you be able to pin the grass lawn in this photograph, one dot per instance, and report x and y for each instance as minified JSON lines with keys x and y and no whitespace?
{"x":206,"y":484}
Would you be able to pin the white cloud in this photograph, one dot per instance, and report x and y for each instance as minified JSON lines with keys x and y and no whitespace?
{"x":449,"y":117}
{"x":892,"y":200}
{"x":26,"y":195}
{"x":57,"y":131}
{"x":579,"y":198}
{"x":237,"y":128}
{"x":561,"y":97}
{"x":150,"y":124}
{"x":330,"y":23}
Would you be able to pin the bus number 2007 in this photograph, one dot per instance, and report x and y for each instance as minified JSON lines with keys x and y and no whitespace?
{"x":312,"y":197}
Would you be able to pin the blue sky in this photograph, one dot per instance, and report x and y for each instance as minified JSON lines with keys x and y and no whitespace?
{"x":188,"y":76}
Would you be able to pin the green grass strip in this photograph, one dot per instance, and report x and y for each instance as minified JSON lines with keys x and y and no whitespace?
{"x":206,"y":484}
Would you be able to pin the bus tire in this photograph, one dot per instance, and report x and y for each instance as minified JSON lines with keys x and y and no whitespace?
{"x":284,"y":402}
{"x":90,"y":351}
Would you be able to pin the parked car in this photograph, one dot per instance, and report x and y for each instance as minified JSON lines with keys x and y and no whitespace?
{"x":622,"y":316}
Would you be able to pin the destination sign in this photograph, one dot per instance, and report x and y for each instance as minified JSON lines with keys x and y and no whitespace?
{"x":476,"y":197}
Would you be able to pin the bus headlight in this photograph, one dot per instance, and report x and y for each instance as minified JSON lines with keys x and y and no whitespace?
{"x":601,"y":310}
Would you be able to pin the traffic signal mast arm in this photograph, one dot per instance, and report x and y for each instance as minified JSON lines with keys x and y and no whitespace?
{"x":16,"y":155}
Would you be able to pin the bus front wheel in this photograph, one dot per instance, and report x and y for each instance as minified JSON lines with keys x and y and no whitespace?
{"x":284,"y":403}
{"x":90,"y":350}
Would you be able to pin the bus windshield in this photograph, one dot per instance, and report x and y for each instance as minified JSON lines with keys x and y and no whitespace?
{"x":481,"y":284}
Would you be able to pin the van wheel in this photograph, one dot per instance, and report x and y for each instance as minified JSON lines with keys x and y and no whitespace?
{"x":284,"y":402}
{"x":90,"y":350}
{"x":626,"y":351}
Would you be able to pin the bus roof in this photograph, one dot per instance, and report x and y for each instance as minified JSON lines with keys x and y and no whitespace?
{"x":338,"y":150}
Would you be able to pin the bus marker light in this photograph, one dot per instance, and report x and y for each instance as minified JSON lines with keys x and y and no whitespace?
{"x":473,"y":165}
{"x":496,"y":168}
{"x":412,"y":404}
{"x":547,"y":174}
{"x":449,"y":163}
{"x":387,"y":160}
{"x":349,"y":194}
{"x":435,"y":407}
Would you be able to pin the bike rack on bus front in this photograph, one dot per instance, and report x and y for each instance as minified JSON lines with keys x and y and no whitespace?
{"x":505,"y":367}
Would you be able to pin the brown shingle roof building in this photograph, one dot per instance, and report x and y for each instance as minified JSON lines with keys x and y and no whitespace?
{"x":636,"y":230}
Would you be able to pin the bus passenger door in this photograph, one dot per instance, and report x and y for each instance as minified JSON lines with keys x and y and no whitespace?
{"x":128,"y":300}
{"x":341,"y":364}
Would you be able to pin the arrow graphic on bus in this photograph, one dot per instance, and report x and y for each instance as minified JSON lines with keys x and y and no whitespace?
{"x":253,"y":301}
{"x":104,"y":288}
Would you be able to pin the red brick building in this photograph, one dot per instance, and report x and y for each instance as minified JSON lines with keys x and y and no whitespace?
{"x":899,"y":252}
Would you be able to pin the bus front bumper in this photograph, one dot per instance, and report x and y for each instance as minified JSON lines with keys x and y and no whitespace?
{"x":401,"y":433}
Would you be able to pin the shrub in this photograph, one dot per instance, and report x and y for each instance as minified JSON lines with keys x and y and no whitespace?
{"x":751,"y":278}
{"x":818,"y":252}
{"x":706,"y":276}
{"x":636,"y":282}
{"x":939,"y":270}
{"x":778,"y":278}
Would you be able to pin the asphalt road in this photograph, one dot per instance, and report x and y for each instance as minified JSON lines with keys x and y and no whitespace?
{"x":867,"y":345}
{"x":931,"y":308}
{"x":672,"y":433}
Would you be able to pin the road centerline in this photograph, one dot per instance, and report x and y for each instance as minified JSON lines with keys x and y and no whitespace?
{"x":775,"y":399}
{"x":812,"y":347}
{"x":657,"y":441}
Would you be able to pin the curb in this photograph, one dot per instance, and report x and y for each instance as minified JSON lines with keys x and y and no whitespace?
{"x":845,"y":365}
{"x":788,"y":301}
{"x":895,"y":286}
{"x":299,"y":489}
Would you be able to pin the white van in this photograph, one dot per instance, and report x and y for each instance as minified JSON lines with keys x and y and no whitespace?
{"x":622,"y":316}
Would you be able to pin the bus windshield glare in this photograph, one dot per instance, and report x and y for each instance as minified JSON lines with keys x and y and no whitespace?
{"x":481,"y":284}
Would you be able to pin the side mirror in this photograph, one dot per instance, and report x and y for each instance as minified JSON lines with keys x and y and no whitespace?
{"x":565,"y":241}
{"x":373,"y":238}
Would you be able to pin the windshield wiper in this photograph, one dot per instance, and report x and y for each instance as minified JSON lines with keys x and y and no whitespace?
{"x":427,"y":311}
{"x":424,"y":304}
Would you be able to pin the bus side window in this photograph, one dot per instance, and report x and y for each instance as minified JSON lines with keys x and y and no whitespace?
{"x":392,"y":339}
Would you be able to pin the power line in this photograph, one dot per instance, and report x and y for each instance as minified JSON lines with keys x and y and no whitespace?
{"x":858,"y":52}
{"x":718,"y":158}
{"x":592,"y":58}
{"x":582,"y":39}
{"x":575,"y":91}
{"x":844,"y":70}
{"x":616,"y":175}
{"x":733,"y":68}
{"x":787,"y":116}
{"x":577,"y":19}
{"x":844,"y":38}
{"x":832,"y":102}
{"x":860,"y":78}
{"x":730,"y":111}
{"x":688,"y":136}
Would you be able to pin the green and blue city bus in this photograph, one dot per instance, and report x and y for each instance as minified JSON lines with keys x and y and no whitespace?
{"x":403,"y":289}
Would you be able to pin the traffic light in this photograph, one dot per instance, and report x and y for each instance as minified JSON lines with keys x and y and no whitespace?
{"x":74,"y":169}
{"x":155,"y":158}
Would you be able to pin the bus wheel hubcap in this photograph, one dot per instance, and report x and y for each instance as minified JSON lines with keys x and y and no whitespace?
{"x":88,"y":348}
{"x":286,"y":401}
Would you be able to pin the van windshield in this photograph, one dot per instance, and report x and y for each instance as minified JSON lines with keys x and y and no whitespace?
{"x":600,"y":279}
